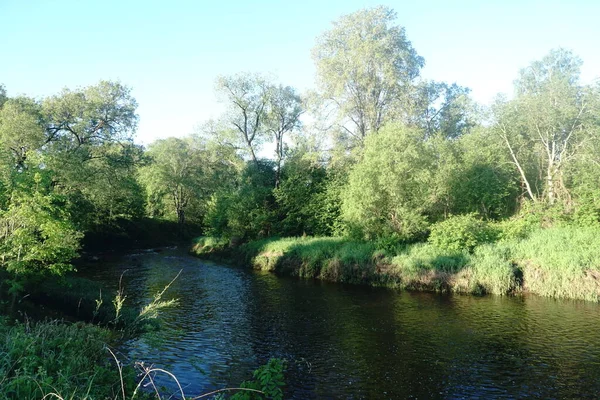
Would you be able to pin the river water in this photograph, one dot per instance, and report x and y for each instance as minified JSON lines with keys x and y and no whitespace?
{"x":352,"y":342}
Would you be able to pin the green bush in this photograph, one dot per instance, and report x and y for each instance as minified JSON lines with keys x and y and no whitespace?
{"x":461,"y":232}
{"x":268,"y":379}
{"x":515,"y":228}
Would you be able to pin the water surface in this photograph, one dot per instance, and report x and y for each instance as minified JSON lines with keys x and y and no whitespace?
{"x":354,"y":342}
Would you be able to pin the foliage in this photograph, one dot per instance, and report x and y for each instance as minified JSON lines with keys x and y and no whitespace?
{"x":388,"y":192}
{"x":36,"y":234}
{"x":68,"y":360}
{"x":365,"y":65}
{"x":247,"y":211}
{"x":484,"y":181}
{"x":301,"y":198}
{"x":460,"y":232}
{"x":268,"y":379}
{"x":173,"y":177}
{"x":551,"y":122}
{"x":442,"y":109}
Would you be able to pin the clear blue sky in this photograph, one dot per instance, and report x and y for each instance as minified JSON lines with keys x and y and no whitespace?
{"x":170,"y":52}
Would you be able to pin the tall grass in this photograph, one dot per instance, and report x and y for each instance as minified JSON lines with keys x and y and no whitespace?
{"x":57,"y":360}
{"x":562,"y":262}
{"x":48,"y":358}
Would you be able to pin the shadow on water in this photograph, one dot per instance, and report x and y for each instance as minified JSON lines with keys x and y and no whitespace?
{"x":358,"y":342}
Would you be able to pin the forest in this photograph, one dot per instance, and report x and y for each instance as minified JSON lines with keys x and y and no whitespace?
{"x":376,"y":176}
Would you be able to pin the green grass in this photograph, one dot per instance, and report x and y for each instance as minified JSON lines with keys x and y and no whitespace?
{"x":58,"y":360}
{"x":68,"y":360}
{"x":561,"y":262}
{"x":208,"y":244}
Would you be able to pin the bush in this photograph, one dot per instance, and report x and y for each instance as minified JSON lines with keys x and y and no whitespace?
{"x":461,"y":232}
{"x":515,"y":228}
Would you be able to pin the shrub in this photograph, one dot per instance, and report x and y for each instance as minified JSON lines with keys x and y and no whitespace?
{"x":461,"y":232}
{"x":515,"y":228}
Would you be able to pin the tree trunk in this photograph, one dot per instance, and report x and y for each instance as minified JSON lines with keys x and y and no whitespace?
{"x":180,"y":216}
{"x":550,"y":187}
{"x":279,"y":151}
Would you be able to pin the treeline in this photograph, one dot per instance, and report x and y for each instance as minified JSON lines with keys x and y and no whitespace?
{"x":375,"y":153}
{"x":381,"y":154}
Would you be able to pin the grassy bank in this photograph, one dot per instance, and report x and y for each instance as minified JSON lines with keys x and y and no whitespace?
{"x":59,"y":360}
{"x":560,"y":262}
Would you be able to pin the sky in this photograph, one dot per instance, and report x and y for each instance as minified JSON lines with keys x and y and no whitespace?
{"x":171,"y":52}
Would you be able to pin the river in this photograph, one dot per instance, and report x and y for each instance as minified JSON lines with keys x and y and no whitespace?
{"x":352,"y":342}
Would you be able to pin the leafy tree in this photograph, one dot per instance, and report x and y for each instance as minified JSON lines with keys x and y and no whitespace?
{"x":486,"y":182}
{"x":95,"y":115}
{"x":36,"y":234}
{"x":21,"y":128}
{"x":440,"y":108}
{"x":247,"y":98}
{"x":174,"y":175}
{"x":548,"y":124}
{"x":283,"y":116}
{"x":300,"y":197}
{"x":472,"y":175}
{"x":246,"y":212}
{"x":3,"y":96}
{"x":365,"y":65}
{"x":389,"y":190}
{"x":89,"y":147}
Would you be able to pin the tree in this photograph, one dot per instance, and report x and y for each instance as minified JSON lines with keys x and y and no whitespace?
{"x":174,"y":174}
{"x":389,"y":190}
{"x":95,"y":115}
{"x":21,"y":128}
{"x":245,"y":212}
{"x":89,"y":147}
{"x":283,"y":116}
{"x":548,"y":125}
{"x":365,"y":66}
{"x":3,"y":96}
{"x":441,"y":108}
{"x":36,"y":234}
{"x":484,"y":179}
{"x":247,"y":98}
{"x":300,"y":197}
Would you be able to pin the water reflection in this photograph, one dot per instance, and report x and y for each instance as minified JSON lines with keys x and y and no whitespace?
{"x":355,"y":342}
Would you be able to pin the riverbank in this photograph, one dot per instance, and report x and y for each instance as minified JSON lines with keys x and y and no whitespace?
{"x":560,"y":262}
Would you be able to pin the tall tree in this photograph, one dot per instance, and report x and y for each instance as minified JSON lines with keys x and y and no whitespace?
{"x":550,"y":122}
{"x":441,"y":108}
{"x":174,"y":174}
{"x":365,"y":66}
{"x":89,"y":146}
{"x":246,"y":97}
{"x":283,"y":116}
{"x":3,"y":96}
{"x":21,"y":128}
{"x":389,"y":191}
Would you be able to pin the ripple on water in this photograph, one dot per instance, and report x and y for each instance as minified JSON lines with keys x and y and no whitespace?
{"x":358,"y":342}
